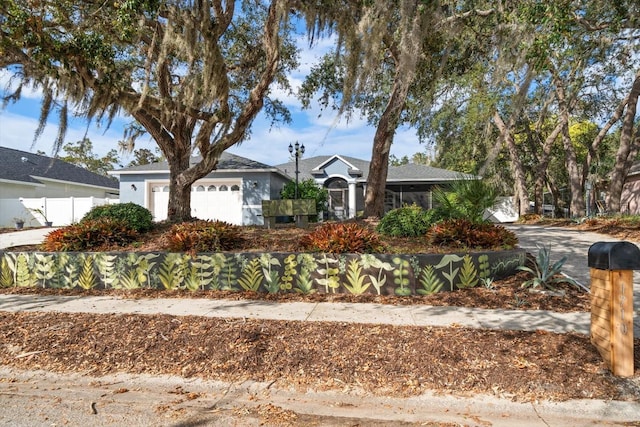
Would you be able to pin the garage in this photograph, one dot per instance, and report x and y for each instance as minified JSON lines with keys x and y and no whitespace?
{"x":210,"y":199}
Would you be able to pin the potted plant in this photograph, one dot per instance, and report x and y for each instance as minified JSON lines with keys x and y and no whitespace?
{"x":19,"y":223}
{"x":41,"y":212}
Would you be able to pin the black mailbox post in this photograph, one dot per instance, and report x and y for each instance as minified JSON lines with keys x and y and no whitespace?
{"x":614,"y":256}
{"x":611,"y":269}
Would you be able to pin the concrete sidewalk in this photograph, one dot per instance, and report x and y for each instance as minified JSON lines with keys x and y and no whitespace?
{"x":407,"y":315}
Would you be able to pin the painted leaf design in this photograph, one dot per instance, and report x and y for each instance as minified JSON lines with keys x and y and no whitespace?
{"x":468,"y":274}
{"x":355,"y":278}
{"x":251,"y":276}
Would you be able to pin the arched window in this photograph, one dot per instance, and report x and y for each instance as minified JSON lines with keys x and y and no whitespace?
{"x":165,"y":189}
{"x":200,"y":188}
{"x":334,"y":183}
{"x":235,"y":188}
{"x":224,"y":188}
{"x":156,"y":189}
{"x":211,"y":188}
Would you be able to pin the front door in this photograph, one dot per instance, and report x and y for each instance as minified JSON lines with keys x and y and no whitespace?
{"x":338,"y":198}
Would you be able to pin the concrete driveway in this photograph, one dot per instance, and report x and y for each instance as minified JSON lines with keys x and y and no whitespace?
{"x":29,"y":236}
{"x":574,"y":244}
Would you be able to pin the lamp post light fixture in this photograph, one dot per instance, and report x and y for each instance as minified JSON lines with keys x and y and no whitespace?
{"x":297,"y":150}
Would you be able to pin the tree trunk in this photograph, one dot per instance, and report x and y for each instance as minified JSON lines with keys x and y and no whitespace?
{"x":623,"y":161}
{"x":405,"y":66}
{"x":516,"y":165}
{"x":558,"y":208}
{"x":179,"y":209}
{"x":543,"y":164}
{"x":577,"y":205}
{"x":378,"y":170}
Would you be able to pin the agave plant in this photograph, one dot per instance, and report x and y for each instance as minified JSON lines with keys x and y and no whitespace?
{"x":544,"y":274}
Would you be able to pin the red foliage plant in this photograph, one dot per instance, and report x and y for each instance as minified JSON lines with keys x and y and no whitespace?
{"x":203,"y":236}
{"x":342,"y":238}
{"x":465,"y":234}
{"x":89,"y":234}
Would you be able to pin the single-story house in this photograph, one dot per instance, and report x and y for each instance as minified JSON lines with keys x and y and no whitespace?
{"x":346,"y":181}
{"x":235,"y":190}
{"x":630,"y":199}
{"x":36,"y":189}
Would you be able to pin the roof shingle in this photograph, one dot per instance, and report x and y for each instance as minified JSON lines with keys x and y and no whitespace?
{"x":27,"y":167}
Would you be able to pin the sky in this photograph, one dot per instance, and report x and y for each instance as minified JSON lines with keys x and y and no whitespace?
{"x":318,"y":130}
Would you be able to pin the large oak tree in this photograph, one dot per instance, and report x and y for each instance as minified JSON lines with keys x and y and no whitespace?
{"x":387,"y":63}
{"x":192,"y":73}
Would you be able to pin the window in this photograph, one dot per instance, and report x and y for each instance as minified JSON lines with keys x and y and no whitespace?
{"x":165,"y":189}
{"x":156,"y":189}
{"x":235,"y":188}
{"x":211,"y":188}
{"x":200,"y":188}
{"x":224,"y":188}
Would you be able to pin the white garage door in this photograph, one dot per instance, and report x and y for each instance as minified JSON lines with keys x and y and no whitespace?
{"x":214,"y":200}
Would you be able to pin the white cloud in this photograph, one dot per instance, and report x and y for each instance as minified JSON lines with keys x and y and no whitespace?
{"x":7,"y":85}
{"x":18,"y":131}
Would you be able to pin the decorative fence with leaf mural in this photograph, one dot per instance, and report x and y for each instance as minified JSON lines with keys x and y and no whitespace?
{"x":384,"y":274}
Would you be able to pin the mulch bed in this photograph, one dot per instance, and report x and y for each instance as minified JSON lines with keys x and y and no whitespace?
{"x":377,"y":359}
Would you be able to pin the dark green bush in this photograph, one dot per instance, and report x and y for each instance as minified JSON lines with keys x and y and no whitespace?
{"x":307,"y":189}
{"x":203,"y":236}
{"x":408,"y":221}
{"x":135,"y":216}
{"x":90,"y":234}
{"x":340,"y":238}
{"x":465,"y":234}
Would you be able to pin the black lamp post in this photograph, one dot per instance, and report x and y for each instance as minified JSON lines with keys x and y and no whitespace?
{"x":297,"y":150}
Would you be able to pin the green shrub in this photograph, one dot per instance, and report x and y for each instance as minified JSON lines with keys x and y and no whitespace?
{"x":466,"y":234}
{"x":408,"y":221}
{"x":339,"y":238}
{"x":90,"y":234}
{"x":135,"y":216}
{"x":465,"y":199}
{"x":203,"y":236}
{"x":307,"y":189}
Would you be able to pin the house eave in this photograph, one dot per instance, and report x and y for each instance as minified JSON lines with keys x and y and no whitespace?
{"x":81,"y":184}
{"x":156,"y":172}
{"x":31,"y":184}
{"x":421,"y":180}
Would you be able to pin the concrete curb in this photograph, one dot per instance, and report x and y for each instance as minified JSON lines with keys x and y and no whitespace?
{"x":145,"y":392}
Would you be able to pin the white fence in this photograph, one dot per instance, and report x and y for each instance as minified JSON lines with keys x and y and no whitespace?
{"x":59,"y":211}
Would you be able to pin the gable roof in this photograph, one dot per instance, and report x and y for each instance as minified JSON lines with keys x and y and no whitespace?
{"x":311,"y":165}
{"x":24,"y":167}
{"x":360,"y":169}
{"x":228,"y":163}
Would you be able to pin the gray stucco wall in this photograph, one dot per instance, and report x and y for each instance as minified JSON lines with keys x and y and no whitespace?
{"x":127,"y":184}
